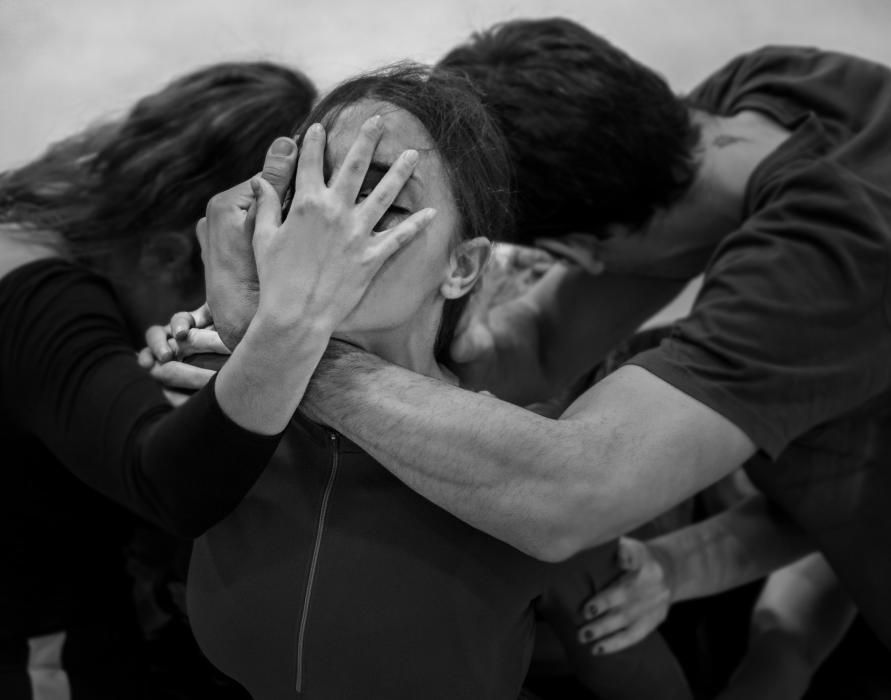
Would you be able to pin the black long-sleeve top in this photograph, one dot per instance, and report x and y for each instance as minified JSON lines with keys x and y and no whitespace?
{"x":88,"y":440}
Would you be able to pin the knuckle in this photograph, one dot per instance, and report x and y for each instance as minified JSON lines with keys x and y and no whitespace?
{"x":275,"y":172}
{"x":381,"y":197}
{"x":307,"y":204}
{"x":371,"y":127}
{"x":355,"y":167}
{"x":215,"y":204}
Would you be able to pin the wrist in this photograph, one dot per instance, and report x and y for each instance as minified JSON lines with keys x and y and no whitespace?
{"x":294,"y":322}
{"x":665,"y":557}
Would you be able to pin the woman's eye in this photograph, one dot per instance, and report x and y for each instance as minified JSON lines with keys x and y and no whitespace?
{"x":391,"y":217}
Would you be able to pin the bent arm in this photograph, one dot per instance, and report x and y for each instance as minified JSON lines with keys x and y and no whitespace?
{"x":800,"y":617}
{"x":628,"y":449}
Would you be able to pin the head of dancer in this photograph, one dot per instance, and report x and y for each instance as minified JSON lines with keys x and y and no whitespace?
{"x":598,"y":141}
{"x":123,"y":196}
{"x":411,"y":309}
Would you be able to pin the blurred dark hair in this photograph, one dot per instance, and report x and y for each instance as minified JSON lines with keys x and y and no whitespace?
{"x":141,"y":182}
{"x":465,"y":136}
{"x":595,"y":137}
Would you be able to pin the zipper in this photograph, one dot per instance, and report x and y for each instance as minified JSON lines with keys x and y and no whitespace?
{"x":315,"y":559}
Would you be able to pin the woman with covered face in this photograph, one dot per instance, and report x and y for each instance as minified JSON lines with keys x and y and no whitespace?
{"x":332,"y":579}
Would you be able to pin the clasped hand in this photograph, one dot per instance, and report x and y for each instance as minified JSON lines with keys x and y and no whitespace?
{"x":314,"y":267}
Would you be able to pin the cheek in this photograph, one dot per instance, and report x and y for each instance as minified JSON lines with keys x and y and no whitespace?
{"x":404,"y":283}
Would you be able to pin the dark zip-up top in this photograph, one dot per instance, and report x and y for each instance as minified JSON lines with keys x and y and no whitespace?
{"x":90,"y":440}
{"x":332,"y":579}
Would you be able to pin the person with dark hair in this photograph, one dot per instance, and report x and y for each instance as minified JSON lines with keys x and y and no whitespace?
{"x":595,"y":137}
{"x":332,"y":578}
{"x":96,"y":242}
{"x":786,"y":214}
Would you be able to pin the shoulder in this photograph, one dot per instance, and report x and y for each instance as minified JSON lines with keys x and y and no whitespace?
{"x":50,"y":292}
{"x":815,"y":220}
{"x":766,"y":68}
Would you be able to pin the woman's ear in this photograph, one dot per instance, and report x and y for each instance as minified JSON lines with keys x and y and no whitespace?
{"x":466,"y":264}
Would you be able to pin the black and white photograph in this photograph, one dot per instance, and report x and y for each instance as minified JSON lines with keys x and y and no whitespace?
{"x":445,"y":350}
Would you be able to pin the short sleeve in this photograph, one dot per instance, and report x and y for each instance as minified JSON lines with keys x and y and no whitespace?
{"x":790,"y":329}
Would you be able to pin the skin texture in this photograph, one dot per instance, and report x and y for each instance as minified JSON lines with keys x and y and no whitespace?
{"x":398,"y":316}
{"x":742,"y":544}
{"x":800,"y":617}
{"x":628,"y":449}
{"x":313,"y":270}
{"x":396,"y":310}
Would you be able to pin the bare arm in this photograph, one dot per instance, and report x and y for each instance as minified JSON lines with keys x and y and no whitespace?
{"x":801,"y":616}
{"x":743,"y":544}
{"x":628,"y":449}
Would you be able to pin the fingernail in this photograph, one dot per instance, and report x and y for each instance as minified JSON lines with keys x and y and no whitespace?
{"x":586,"y":636}
{"x":597,"y":650}
{"x":591,"y":612}
{"x":282,"y":147}
{"x":315,"y":130}
{"x":375,"y":121}
{"x":411,"y":156}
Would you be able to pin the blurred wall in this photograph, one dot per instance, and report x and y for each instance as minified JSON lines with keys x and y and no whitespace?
{"x":64,"y":63}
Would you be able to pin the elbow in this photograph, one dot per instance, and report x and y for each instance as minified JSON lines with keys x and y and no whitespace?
{"x":553,"y":549}
{"x":567,"y":525}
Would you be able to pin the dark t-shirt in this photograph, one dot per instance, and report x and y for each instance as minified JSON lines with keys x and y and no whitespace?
{"x":88,"y":440}
{"x":790,"y":337}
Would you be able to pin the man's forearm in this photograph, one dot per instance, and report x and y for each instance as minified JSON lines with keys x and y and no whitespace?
{"x":743,"y":544}
{"x":498,"y":485}
{"x":548,"y":487}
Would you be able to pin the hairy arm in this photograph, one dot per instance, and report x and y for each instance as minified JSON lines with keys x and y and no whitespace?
{"x":628,"y":449}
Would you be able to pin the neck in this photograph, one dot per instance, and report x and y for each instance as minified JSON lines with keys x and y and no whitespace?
{"x":730,"y":149}
{"x":409,"y":346}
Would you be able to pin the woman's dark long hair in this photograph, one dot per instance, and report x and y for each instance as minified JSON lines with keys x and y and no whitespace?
{"x":137,"y":185}
{"x":465,"y":136}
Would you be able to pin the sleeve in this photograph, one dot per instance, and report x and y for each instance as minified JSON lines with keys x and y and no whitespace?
{"x":70,"y":378}
{"x":790,"y":328}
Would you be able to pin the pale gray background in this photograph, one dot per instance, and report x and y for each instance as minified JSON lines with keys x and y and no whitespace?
{"x":64,"y":63}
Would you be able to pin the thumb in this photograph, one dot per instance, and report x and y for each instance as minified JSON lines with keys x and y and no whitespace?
{"x":279,"y":166}
{"x":630,"y":554}
{"x":269,"y":208}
